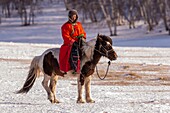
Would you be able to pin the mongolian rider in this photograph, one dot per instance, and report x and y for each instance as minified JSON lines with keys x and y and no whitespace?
{"x":71,"y":31}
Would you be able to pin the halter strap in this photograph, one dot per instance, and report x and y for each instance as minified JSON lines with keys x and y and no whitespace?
{"x":107,"y":51}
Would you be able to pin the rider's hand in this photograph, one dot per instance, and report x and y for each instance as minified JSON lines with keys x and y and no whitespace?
{"x":80,"y":36}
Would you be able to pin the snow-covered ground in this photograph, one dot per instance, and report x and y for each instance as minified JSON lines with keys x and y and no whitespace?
{"x":138,"y":82}
{"x":15,"y":59}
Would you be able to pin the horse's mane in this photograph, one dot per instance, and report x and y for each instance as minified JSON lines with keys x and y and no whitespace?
{"x":88,"y":47}
{"x":88,"y":50}
{"x":106,"y":38}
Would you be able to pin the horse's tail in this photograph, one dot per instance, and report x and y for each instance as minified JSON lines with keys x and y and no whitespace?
{"x":34,"y":72}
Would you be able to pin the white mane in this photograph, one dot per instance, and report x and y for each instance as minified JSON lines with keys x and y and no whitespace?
{"x":88,"y":51}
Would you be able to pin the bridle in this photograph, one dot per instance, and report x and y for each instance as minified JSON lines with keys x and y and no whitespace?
{"x":106,"y":51}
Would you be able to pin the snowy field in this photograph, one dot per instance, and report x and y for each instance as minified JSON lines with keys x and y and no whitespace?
{"x":120,"y":92}
{"x":138,"y":82}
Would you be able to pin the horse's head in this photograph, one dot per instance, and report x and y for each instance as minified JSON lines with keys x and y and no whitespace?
{"x":104,"y":47}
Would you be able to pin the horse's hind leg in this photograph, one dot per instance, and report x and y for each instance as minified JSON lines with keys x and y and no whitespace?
{"x":46,"y":87}
{"x":88,"y":90}
{"x":80,"y":91}
{"x":53,"y":83}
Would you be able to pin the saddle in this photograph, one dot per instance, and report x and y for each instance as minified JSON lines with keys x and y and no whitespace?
{"x":75,"y":58}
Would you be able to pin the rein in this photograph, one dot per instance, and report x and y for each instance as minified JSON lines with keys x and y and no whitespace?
{"x":107,"y":51}
{"x":105,"y":73}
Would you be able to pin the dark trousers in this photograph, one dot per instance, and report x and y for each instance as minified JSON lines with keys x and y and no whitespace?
{"x":74,"y":57}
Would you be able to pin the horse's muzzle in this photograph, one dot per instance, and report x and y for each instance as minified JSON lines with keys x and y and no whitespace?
{"x":112,"y":55}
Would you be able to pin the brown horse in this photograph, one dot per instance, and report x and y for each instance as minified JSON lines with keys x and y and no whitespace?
{"x":47,"y":63}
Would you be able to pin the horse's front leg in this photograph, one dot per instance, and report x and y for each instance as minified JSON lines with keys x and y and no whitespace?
{"x":80,"y":91}
{"x":88,"y":89}
{"x":53,"y":82}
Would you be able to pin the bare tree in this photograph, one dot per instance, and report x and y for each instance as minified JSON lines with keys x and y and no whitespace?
{"x":107,"y":16}
{"x":114,"y":14}
{"x":163,"y":8}
{"x":26,"y":10}
{"x":66,"y":4}
{"x":131,"y":12}
{"x":168,"y":13}
{"x":0,"y":18}
{"x":5,"y":5}
{"x":147,"y":10}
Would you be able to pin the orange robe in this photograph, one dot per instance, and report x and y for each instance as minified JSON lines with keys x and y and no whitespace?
{"x":69,"y":33}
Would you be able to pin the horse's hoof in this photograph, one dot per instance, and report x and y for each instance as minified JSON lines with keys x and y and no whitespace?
{"x":90,"y":101}
{"x":54,"y":101}
{"x":81,"y":101}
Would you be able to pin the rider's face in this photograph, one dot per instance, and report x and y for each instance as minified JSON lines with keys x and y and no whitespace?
{"x":73,"y":18}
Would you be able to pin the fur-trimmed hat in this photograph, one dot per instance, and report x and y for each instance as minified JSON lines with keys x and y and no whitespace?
{"x":71,"y":13}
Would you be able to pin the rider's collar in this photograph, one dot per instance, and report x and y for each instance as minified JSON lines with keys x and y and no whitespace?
{"x":73,"y":23}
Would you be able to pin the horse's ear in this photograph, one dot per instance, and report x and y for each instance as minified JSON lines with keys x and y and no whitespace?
{"x":99,"y":38}
{"x":98,"y":35}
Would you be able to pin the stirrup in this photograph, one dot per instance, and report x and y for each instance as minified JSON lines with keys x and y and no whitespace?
{"x":74,"y":72}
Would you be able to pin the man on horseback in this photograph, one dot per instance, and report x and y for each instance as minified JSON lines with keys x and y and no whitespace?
{"x":72,"y":31}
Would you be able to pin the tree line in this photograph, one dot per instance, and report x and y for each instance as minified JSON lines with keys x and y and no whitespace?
{"x":25,"y":9}
{"x":113,"y":12}
{"x":118,"y":12}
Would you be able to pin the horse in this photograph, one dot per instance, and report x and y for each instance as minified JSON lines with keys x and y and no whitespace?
{"x":47,"y":63}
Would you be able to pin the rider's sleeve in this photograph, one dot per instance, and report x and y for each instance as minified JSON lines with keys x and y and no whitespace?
{"x":82,"y":30}
{"x":65,"y":30}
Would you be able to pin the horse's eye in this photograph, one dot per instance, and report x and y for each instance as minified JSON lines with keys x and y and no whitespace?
{"x":104,"y":43}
